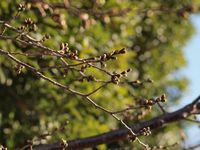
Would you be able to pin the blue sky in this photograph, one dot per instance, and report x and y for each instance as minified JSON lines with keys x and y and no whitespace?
{"x":192,"y":72}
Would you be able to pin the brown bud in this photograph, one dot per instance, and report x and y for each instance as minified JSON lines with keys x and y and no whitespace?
{"x":128,"y":70}
{"x":64,"y":47}
{"x":21,"y":7}
{"x":150,"y":102}
{"x":28,"y":21}
{"x":123,"y":72}
{"x":118,"y":75}
{"x":18,"y":68}
{"x":122,"y":51}
{"x":163,"y":98}
{"x":146,"y":101}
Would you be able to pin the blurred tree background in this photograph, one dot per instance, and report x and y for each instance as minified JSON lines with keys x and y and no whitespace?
{"x":153,"y":31}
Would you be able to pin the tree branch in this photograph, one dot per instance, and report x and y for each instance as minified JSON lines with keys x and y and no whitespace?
{"x":121,"y":134}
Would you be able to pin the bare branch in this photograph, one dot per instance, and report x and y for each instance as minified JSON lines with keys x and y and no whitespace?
{"x":121,"y":134}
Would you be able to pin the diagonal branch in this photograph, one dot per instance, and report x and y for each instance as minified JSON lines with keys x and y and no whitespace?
{"x":86,"y":96}
{"x":121,"y":134}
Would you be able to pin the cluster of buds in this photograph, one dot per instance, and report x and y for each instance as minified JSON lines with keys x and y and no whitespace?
{"x":162,"y":98}
{"x":18,"y":68}
{"x":152,"y":101}
{"x":45,"y":37}
{"x":28,"y":21}
{"x":112,"y":55}
{"x":148,"y":103}
{"x":73,"y":55}
{"x":106,"y":56}
{"x":21,"y":7}
{"x":115,"y":77}
{"x":124,"y":73}
{"x":121,"y":51}
{"x":64,"y":49}
{"x":30,"y":24}
{"x":145,"y":131}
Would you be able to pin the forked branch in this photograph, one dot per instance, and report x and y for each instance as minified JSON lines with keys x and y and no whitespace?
{"x":121,"y":134}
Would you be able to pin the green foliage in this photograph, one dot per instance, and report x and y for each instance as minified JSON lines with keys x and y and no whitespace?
{"x":30,"y":106}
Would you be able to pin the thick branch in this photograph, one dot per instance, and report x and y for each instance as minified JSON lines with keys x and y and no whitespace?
{"x":121,"y":134}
